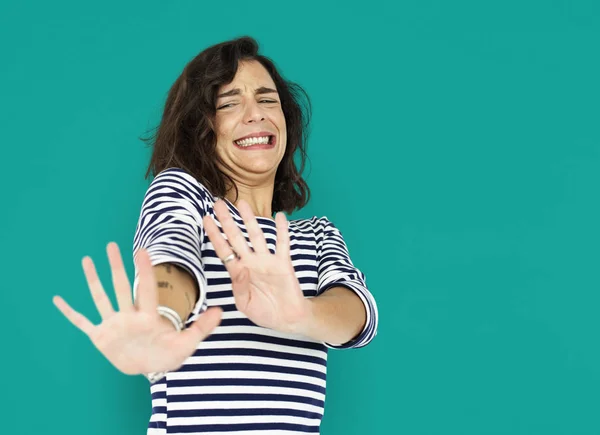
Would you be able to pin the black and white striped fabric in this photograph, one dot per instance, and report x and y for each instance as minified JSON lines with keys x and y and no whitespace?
{"x":243,"y":378}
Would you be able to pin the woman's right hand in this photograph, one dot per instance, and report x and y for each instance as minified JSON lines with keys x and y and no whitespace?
{"x":136,"y":339}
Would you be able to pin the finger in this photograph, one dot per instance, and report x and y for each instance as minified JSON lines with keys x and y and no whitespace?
{"x":222,"y":248}
{"x":119,"y":278}
{"x":77,"y":319}
{"x":283,"y":236}
{"x":147,"y":293}
{"x":254,"y":232}
{"x":99,"y":296}
{"x":203,"y":326}
{"x":234,"y":235}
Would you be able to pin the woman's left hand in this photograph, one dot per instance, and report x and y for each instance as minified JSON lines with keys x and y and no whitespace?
{"x":265,"y":286}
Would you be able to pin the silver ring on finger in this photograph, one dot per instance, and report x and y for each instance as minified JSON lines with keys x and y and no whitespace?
{"x":230,"y":257}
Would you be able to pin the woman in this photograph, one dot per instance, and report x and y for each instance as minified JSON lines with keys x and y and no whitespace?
{"x":233,"y":309}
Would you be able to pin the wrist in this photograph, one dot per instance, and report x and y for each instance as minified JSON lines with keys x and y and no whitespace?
{"x":306,"y":324}
{"x":169,"y":321}
{"x":334,"y":317}
{"x":171,"y":316}
{"x":166,"y":324}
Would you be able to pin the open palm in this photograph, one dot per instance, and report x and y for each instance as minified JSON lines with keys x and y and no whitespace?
{"x":265,"y":286}
{"x":136,"y":339}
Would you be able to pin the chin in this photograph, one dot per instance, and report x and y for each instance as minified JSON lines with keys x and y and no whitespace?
{"x":260,"y":168}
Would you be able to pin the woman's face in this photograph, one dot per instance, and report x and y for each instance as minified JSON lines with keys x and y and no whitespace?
{"x":250,"y":125}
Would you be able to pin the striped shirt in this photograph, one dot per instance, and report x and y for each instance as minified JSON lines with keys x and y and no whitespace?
{"x":243,"y":378}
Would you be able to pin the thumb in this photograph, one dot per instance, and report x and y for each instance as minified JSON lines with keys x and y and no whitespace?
{"x":202,"y":327}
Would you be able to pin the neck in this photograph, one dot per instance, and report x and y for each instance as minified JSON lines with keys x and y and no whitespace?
{"x":259,"y":198}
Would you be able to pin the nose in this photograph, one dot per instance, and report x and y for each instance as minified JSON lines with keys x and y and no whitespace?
{"x":254,"y":112}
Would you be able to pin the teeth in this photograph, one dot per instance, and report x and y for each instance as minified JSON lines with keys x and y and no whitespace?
{"x":253,"y":141}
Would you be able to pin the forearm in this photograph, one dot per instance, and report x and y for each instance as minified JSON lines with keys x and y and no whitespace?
{"x":336,"y":316}
{"x":176,"y":289}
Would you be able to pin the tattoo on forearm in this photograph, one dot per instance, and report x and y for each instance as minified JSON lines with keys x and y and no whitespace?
{"x":168,"y":267}
{"x":164,"y":284}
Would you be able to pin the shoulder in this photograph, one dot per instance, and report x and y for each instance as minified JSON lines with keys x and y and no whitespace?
{"x":314,"y":224}
{"x":320,"y":231}
{"x":175,"y":176}
{"x":178,"y":181}
{"x":174,"y":188}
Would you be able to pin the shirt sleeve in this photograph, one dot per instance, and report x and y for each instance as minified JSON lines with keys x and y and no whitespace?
{"x":170,"y":228}
{"x":337,"y":270}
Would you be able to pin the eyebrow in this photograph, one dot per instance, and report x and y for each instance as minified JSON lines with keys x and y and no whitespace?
{"x":237,"y":91}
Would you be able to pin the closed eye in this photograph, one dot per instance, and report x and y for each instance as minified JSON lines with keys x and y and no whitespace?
{"x":224,"y":106}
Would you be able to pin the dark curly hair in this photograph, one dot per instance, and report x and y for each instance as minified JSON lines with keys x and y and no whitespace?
{"x":186,"y":138}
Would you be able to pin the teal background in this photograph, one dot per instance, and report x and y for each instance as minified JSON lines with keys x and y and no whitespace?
{"x":455,"y":144}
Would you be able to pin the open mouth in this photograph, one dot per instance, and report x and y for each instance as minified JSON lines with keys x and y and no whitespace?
{"x":264,"y":141}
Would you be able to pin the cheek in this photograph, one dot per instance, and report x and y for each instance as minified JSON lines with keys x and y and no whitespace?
{"x":223,"y":132}
{"x":281,"y":122}
{"x":222,"y":136}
